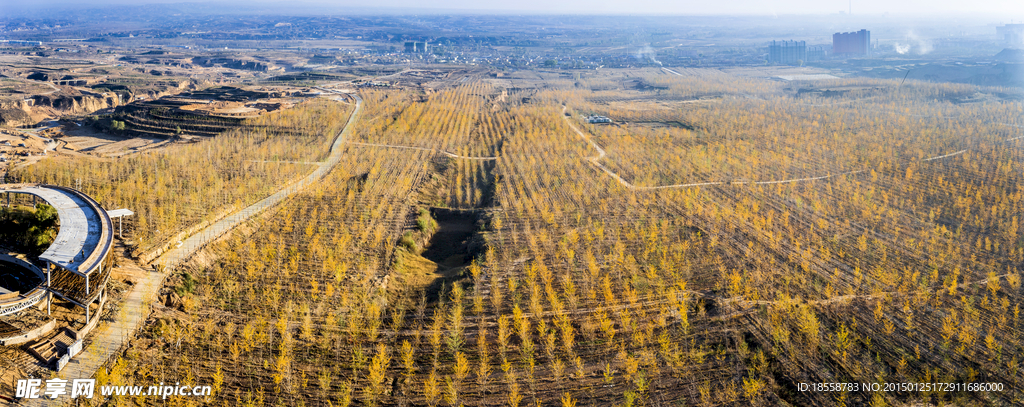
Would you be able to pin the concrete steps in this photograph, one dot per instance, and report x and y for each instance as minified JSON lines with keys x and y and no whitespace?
{"x":44,"y":350}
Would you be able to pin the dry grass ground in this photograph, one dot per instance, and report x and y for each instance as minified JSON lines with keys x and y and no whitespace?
{"x":594,"y":270}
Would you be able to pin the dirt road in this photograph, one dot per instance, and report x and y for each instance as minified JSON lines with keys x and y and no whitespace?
{"x":108,"y":338}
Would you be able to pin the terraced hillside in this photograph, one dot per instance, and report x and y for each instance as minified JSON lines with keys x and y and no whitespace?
{"x":473,"y":248}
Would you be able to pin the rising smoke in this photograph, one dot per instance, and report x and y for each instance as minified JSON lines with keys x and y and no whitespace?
{"x":647,"y":53}
{"x":920,"y":45}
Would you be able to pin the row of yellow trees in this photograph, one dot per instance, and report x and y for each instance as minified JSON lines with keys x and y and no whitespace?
{"x":588,"y":290}
{"x":180,"y":186}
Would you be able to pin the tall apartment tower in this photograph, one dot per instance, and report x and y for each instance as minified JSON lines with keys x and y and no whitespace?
{"x":787,"y":52}
{"x":1012,"y":35}
{"x":853,"y":43}
{"x":416,"y":47}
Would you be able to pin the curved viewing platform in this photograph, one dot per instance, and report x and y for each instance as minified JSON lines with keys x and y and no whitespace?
{"x":20,"y":284}
{"x":76,"y":268}
{"x":86,"y":232}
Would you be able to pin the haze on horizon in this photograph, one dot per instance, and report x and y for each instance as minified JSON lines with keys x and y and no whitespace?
{"x":1006,"y":9}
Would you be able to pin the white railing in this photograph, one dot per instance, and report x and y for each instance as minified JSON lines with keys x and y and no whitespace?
{"x":29,"y":300}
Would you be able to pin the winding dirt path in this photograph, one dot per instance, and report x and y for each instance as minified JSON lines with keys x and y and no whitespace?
{"x":596,"y":161}
{"x":108,"y":338}
{"x":446,"y":153}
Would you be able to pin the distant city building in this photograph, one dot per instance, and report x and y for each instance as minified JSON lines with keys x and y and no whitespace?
{"x":1012,"y":35}
{"x":416,"y":47}
{"x":817,"y":53}
{"x":852,"y":43}
{"x":20,"y":42}
{"x":787,"y":52}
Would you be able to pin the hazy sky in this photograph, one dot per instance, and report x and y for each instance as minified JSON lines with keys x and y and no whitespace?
{"x":1004,"y":8}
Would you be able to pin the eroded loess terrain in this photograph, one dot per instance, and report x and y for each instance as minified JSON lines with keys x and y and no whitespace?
{"x":721,"y":241}
{"x":182,"y":185}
